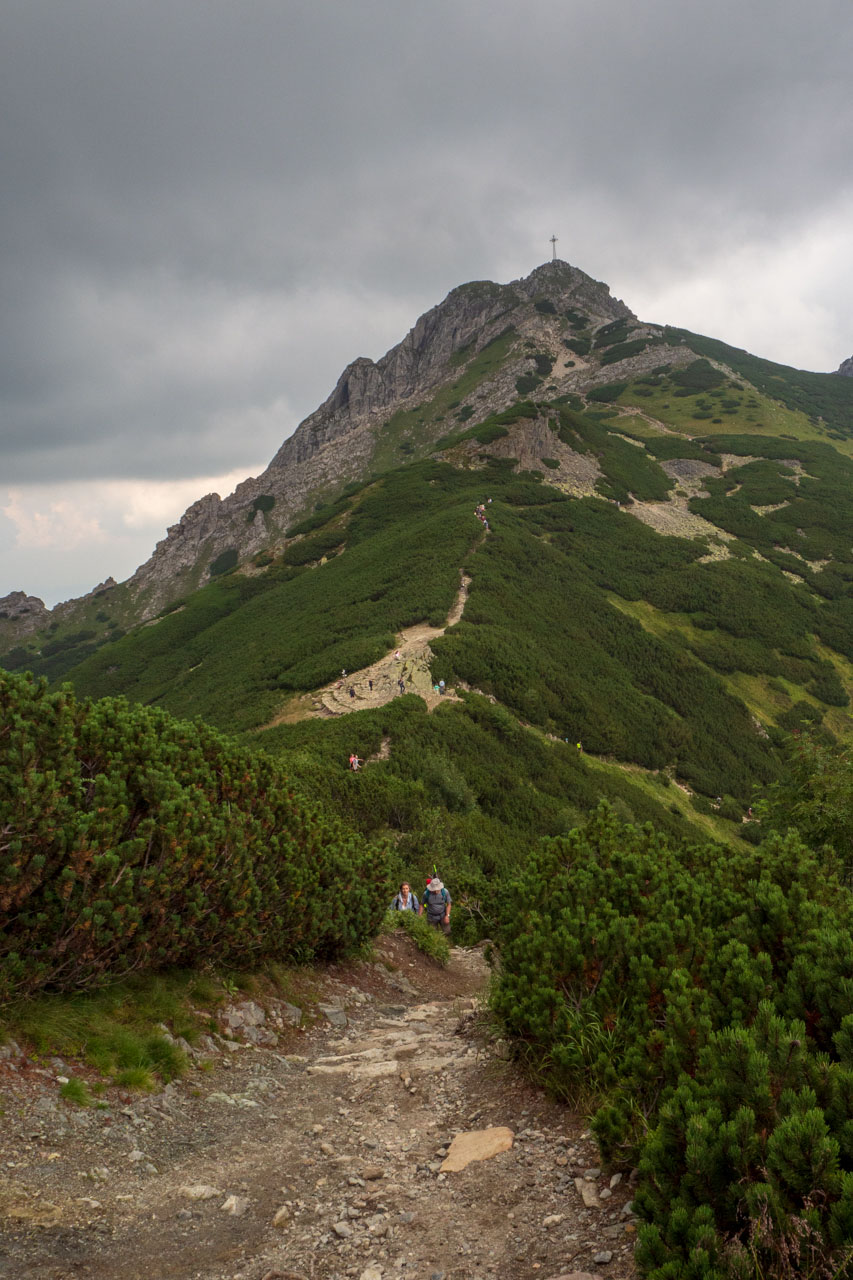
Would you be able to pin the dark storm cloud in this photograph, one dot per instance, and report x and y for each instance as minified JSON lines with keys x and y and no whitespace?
{"x":207,"y":209}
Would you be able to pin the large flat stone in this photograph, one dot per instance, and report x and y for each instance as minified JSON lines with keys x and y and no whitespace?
{"x":477,"y":1144}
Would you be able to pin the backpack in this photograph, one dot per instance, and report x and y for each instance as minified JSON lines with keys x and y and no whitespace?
{"x":431,"y":903}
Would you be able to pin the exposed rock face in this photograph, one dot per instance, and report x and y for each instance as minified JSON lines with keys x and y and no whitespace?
{"x":337,"y":442}
{"x":28,"y":613}
{"x":846,"y":368}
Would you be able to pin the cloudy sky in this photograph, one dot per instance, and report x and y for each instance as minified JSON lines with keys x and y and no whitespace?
{"x":208,"y":207}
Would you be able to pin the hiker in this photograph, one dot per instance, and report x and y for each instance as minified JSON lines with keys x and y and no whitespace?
{"x":401,"y":682}
{"x":405,"y":900}
{"x":397,"y":656}
{"x":352,"y":691}
{"x":441,"y":687}
{"x":370,"y":685}
{"x":437,"y":903}
{"x":354,"y":763}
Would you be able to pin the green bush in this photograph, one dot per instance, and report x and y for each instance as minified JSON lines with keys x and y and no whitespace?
{"x":718,"y":984}
{"x":698,"y":376}
{"x":133,"y":840}
{"x":224,"y":563}
{"x":607,"y":393}
{"x":426,"y":937}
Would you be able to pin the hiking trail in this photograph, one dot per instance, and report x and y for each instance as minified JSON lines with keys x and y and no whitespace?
{"x":412,"y":667}
{"x":315,"y":1152}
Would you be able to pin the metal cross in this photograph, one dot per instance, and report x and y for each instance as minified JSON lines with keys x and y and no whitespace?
{"x":554,"y":248}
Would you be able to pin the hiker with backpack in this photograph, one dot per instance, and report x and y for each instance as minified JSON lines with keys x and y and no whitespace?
{"x":405,"y":900}
{"x":437,"y":902}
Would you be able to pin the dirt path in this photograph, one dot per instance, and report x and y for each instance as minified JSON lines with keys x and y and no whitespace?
{"x":375,"y":685}
{"x":315,"y":1158}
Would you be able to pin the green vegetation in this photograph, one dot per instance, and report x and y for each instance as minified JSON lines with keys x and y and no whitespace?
{"x":606,"y":393}
{"x":264,"y":502}
{"x":417,"y":423}
{"x":701,"y":997}
{"x":429,"y":940}
{"x":224,"y":563}
{"x":818,"y":396}
{"x":136,"y":841}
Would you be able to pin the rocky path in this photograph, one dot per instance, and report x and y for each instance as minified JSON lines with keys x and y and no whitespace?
{"x":328,"y":1152}
{"x":375,"y":685}
{"x":408,"y":663}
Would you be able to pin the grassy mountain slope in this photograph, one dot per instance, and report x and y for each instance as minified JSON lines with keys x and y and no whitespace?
{"x":666,"y":580}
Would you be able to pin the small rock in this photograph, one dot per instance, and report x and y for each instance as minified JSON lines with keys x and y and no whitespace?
{"x":371,"y":1273}
{"x":604,"y":1257}
{"x":199,"y":1191}
{"x":573,"y":1275}
{"x":372,"y":1172}
{"x":477,"y":1144}
{"x":136,"y":1156}
{"x":605,"y":1194}
{"x":615,"y":1180}
{"x":588,"y":1193}
{"x":235,"y":1205}
{"x":342,"y":1229}
{"x":334,"y":1014}
{"x":183,"y":1214}
{"x":282,"y":1217}
{"x":291,"y":1013}
{"x":553,"y":1220}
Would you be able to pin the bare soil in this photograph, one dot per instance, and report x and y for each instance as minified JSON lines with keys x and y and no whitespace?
{"x":318,"y":1158}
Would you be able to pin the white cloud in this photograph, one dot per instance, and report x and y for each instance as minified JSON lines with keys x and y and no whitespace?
{"x":59,"y":541}
{"x":57,"y":522}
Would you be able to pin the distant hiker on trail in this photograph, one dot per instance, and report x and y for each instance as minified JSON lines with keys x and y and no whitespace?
{"x":441,"y":686}
{"x":402,"y":684}
{"x":405,"y":900}
{"x":344,"y":672}
{"x":352,"y":691}
{"x":354,"y":763}
{"x":370,"y":685}
{"x":437,"y":903}
{"x":397,"y":656}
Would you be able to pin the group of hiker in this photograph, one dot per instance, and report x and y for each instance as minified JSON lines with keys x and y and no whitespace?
{"x":436,"y":903}
{"x":480,"y":513}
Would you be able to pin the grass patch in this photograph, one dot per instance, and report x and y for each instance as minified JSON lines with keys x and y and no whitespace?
{"x":116,"y":1029}
{"x":76,"y":1091}
{"x":426,"y":937}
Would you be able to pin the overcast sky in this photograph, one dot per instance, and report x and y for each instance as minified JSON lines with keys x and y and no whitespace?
{"x":208,"y":208}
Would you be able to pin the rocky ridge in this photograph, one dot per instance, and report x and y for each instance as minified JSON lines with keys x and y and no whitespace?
{"x":846,"y":368}
{"x":338,"y":443}
{"x":384,"y":1136}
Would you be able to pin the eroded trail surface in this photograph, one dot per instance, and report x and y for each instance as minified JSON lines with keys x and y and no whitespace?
{"x":316,"y":1155}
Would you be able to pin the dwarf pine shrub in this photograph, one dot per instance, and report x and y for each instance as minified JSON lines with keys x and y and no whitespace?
{"x":720,"y":982}
{"x":134,"y":841}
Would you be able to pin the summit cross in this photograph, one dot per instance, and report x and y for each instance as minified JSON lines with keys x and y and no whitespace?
{"x":553,"y":248}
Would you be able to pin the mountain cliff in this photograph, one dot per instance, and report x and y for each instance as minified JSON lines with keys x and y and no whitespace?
{"x":342,"y":440}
